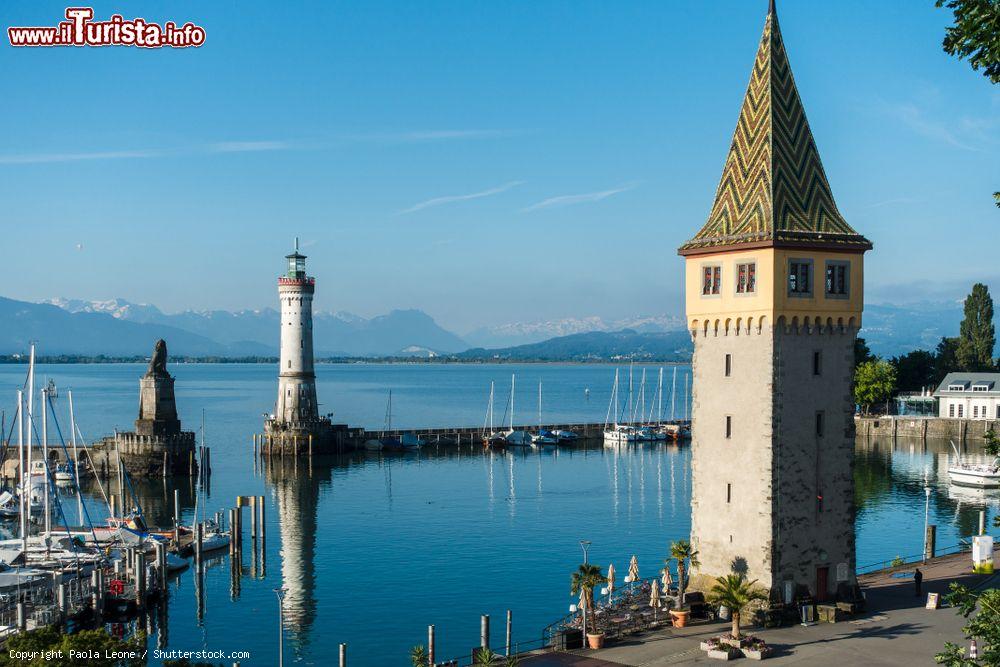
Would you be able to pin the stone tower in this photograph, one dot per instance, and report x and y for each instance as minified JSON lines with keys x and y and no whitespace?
{"x":774,"y":285}
{"x":296,"y":379}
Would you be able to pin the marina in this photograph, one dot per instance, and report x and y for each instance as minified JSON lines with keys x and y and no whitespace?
{"x":344,"y":527}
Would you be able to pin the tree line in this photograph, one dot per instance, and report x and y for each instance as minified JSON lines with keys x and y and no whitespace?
{"x":876,"y":380}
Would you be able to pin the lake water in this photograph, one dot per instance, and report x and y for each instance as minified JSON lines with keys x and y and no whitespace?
{"x":374,"y":548}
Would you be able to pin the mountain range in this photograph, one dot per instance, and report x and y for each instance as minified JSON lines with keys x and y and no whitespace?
{"x":117,"y":327}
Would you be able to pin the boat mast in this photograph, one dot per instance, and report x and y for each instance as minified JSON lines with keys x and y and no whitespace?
{"x":511,"y":401}
{"x":628,"y":405}
{"x":20,"y":464}
{"x":614,"y":398}
{"x":539,"y":406}
{"x":659,"y":399}
{"x":31,"y":424}
{"x":687,"y":392}
{"x":673,"y":394}
{"x":76,"y":458}
{"x":45,"y":458}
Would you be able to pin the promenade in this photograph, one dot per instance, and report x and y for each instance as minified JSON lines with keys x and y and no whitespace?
{"x":896,"y":630}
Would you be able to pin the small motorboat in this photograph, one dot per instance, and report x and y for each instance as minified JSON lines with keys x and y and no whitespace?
{"x":544,"y":437}
{"x":518,"y":439}
{"x":565,"y":436}
{"x":63,"y":473}
{"x":620,"y":435}
{"x":976,"y":475}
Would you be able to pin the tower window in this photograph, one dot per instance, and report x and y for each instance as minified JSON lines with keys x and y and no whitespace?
{"x":729,"y":493}
{"x":711,"y":280}
{"x":289,"y":363}
{"x":817,"y":363}
{"x":819,"y":424}
{"x":800,"y":277}
{"x":729,"y":426}
{"x":729,"y":365}
{"x":837,"y":279}
{"x":746,"y":278}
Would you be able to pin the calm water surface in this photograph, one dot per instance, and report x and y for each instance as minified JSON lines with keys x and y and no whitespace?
{"x":374,"y":548}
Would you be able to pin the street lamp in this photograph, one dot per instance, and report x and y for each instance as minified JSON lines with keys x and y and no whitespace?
{"x":280,"y":592}
{"x":927,"y":509}
{"x":585,"y":545}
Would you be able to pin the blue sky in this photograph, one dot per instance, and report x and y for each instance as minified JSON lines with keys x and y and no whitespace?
{"x":486,"y":162}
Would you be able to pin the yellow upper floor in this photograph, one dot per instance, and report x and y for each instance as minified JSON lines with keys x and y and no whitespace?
{"x":799,"y":284}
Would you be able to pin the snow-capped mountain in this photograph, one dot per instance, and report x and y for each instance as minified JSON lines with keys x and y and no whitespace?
{"x":521,"y":333}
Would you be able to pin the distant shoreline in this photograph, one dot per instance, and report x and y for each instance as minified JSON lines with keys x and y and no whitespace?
{"x":100,"y":359}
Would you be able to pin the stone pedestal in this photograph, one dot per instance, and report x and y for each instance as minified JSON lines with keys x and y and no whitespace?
{"x":157,"y":408}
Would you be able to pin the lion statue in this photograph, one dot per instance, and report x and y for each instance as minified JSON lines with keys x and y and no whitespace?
{"x":158,"y":362}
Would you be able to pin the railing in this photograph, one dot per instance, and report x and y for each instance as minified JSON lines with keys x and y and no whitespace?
{"x":901,"y":561}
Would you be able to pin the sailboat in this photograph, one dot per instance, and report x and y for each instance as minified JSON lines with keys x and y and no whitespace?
{"x":974,"y":475}
{"x":515,"y":438}
{"x":491,"y":438}
{"x":543,"y":437}
{"x":615,"y":433}
{"x":213,"y":537}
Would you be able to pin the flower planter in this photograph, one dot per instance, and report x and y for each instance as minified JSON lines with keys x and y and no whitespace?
{"x":757,"y":654}
{"x":595,"y":641}
{"x":680,"y":618}
{"x":740,"y":643}
{"x":723,"y":653}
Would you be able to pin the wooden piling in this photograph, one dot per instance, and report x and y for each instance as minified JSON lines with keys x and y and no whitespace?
{"x":507,"y":644}
{"x":343,"y":655}
{"x":260,"y":519}
{"x":310,"y":445}
{"x":430,"y":646}
{"x":161,"y":566}
{"x":930,"y":540}
{"x":982,"y":522}
{"x":484,"y":631}
{"x":253,"y":518}
{"x":177,"y":519}
{"x":140,"y":579}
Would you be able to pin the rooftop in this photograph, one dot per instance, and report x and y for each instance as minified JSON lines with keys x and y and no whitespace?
{"x":773,"y":190}
{"x":989,"y":384}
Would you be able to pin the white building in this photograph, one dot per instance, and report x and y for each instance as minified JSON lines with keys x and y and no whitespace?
{"x":969,"y":396}
{"x":296,"y":381}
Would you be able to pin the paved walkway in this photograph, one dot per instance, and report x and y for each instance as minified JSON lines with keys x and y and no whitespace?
{"x":897,"y":630}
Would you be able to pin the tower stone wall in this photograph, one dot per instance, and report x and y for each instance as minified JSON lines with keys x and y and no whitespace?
{"x":297,"y":377}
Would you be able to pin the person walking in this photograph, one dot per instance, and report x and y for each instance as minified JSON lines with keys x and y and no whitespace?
{"x":918,"y":580}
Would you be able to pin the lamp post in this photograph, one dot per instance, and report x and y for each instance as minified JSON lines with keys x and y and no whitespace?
{"x":927,"y":509}
{"x":280,"y":592}
{"x":585,"y":545}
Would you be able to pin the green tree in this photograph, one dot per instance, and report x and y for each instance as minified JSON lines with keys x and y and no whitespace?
{"x":977,"y":335}
{"x":418,"y":656}
{"x":735,"y":593}
{"x":992,"y":445}
{"x":862,"y":352}
{"x":945,"y":358}
{"x":874,"y":382}
{"x":686,"y":557}
{"x":914,"y":370}
{"x":983,"y":625}
{"x":975,"y":34}
{"x":585,"y":580}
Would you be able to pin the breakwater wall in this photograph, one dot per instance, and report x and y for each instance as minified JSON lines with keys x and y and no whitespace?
{"x":344,"y":438}
{"x":922,"y":428}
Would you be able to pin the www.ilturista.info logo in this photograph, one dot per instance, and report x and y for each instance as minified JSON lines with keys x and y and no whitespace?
{"x":81,"y":30}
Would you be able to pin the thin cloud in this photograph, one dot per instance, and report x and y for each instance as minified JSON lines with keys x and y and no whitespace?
{"x":221,"y":147}
{"x":894,"y":202}
{"x":585,"y":198}
{"x":39,"y":158}
{"x":914,"y":118}
{"x":417,"y":136}
{"x":248,"y":146}
{"x":439,"y":201}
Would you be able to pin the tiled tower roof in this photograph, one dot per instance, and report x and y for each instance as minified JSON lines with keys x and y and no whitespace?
{"x":773,"y":191}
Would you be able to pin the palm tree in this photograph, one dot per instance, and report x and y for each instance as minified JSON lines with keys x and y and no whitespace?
{"x":734,"y":592}
{"x":485,"y":657}
{"x":586,"y":579}
{"x":682,"y":552}
{"x":418,"y":656}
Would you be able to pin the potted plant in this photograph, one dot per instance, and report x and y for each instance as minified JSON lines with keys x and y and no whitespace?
{"x":685,"y":555}
{"x":485,"y":657}
{"x":756,"y":649}
{"x":736,"y":593}
{"x":583,"y":582}
{"x":717,"y":650}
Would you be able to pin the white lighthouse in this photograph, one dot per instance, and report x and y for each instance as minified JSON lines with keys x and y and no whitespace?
{"x":296,"y":406}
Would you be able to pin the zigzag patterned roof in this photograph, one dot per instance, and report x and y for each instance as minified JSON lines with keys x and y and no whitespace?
{"x":773,"y":189}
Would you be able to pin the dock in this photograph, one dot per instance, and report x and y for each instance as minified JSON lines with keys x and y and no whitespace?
{"x":346,"y":438}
